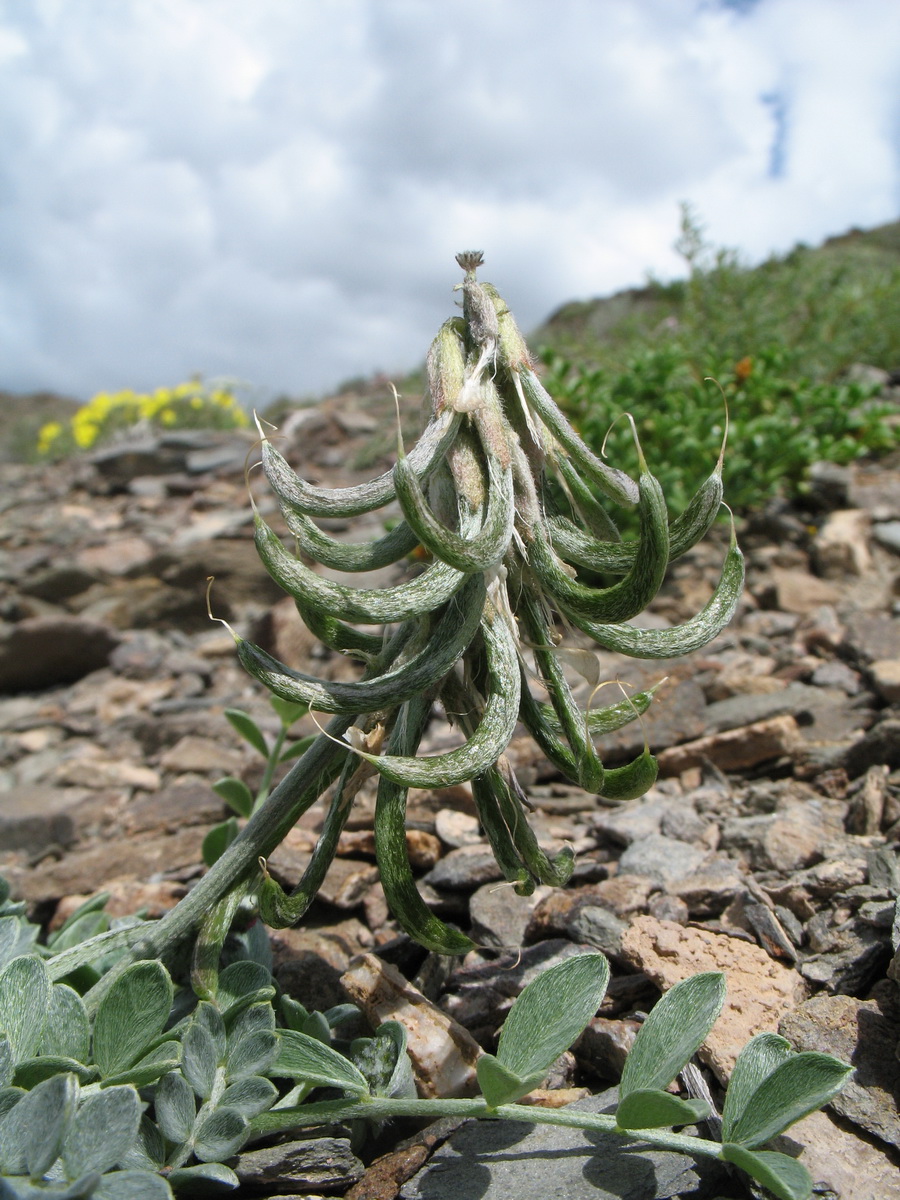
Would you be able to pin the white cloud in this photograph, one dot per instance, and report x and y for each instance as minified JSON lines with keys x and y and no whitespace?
{"x":276,"y":191}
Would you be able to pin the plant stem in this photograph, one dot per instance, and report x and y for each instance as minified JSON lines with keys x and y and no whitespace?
{"x":335,"y":1111}
{"x":297,"y":792}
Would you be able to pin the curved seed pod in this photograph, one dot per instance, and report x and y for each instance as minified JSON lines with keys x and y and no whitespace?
{"x":455,"y":700}
{"x":350,"y":556}
{"x":390,"y":846}
{"x":499,"y":835}
{"x":344,"y":639}
{"x":451,"y":635}
{"x":280,"y":910}
{"x":613,"y":483}
{"x":477,"y":553}
{"x":370,"y":606}
{"x":614,"y":716}
{"x":351,"y":502}
{"x":631,"y":594}
{"x":555,"y":871}
{"x":575,"y":546}
{"x":489,"y":740}
{"x":580,"y":762}
{"x":680,"y":639}
{"x":597,"y":520}
{"x":632,"y":780}
{"x":445,"y":365}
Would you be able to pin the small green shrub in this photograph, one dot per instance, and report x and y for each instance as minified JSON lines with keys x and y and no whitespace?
{"x":780,"y":424}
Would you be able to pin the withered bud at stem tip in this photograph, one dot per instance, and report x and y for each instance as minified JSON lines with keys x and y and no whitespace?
{"x":470,"y":260}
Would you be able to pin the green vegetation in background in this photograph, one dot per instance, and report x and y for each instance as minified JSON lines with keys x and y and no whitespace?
{"x":777,"y":338}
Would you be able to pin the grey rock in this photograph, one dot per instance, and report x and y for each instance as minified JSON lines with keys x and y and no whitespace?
{"x":836,"y":674}
{"x":42,"y":652}
{"x":499,"y":1160}
{"x":797,"y":699}
{"x":499,"y":917}
{"x":663,"y":859}
{"x":464,"y":869}
{"x":597,"y":926}
{"x":888,"y":534}
{"x":324,"y":1163}
{"x":859,"y":955}
{"x":864,"y":1033}
{"x":708,"y":890}
{"x":871,"y":636}
{"x":35,"y":818}
{"x":879,"y":746}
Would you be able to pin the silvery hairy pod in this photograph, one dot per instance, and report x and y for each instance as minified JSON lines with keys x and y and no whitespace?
{"x":510,"y":508}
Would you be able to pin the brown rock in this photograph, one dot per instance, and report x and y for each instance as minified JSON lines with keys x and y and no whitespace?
{"x":841,"y":546}
{"x":760,"y":990}
{"x":84,"y":871}
{"x":885,"y":674}
{"x":736,"y":749}
{"x":799,"y":592}
{"x":202,"y":754}
{"x":42,"y":652}
{"x":118,"y":556}
{"x":443,"y":1053}
{"x":841,"y":1163}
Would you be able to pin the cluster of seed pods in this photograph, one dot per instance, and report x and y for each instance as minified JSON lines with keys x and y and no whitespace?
{"x":509,"y":503}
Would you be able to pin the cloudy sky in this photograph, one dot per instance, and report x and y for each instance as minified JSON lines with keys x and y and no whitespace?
{"x":274,"y":191}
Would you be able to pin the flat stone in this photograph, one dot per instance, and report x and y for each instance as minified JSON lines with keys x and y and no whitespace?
{"x":85,"y":870}
{"x":465,"y":869}
{"x":496,"y":1160}
{"x":311,"y":1162}
{"x":42,"y":652}
{"x":798,"y":591}
{"x":841,"y":546}
{"x":34,"y":817}
{"x":841,"y":1163}
{"x":745,"y":709}
{"x":864,"y":1033}
{"x":500,"y":917}
{"x":662,"y":859}
{"x":706,"y":891}
{"x":885,"y":673}
{"x":872,"y":636}
{"x":118,"y":556}
{"x":887,"y":533}
{"x":202,"y":754}
{"x":736,"y":749}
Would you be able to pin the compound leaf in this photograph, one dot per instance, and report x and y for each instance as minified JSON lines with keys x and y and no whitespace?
{"x":782,"y":1175}
{"x":248,"y":729}
{"x":649,"y":1108}
{"x":309,"y":1060}
{"x":551,"y":1013}
{"x":102,"y":1131}
{"x":759,"y":1058}
{"x":175,"y":1107}
{"x":24,"y":998}
{"x":798,"y":1086}
{"x":221,"y":1135}
{"x":131,"y":1014}
{"x":677,"y":1025}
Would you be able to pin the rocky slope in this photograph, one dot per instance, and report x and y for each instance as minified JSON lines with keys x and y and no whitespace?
{"x":769,"y":848}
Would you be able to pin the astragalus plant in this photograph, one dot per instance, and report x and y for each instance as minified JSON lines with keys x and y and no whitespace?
{"x":512,"y":509}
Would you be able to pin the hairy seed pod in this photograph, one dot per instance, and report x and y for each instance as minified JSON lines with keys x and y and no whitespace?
{"x":480,"y":494}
